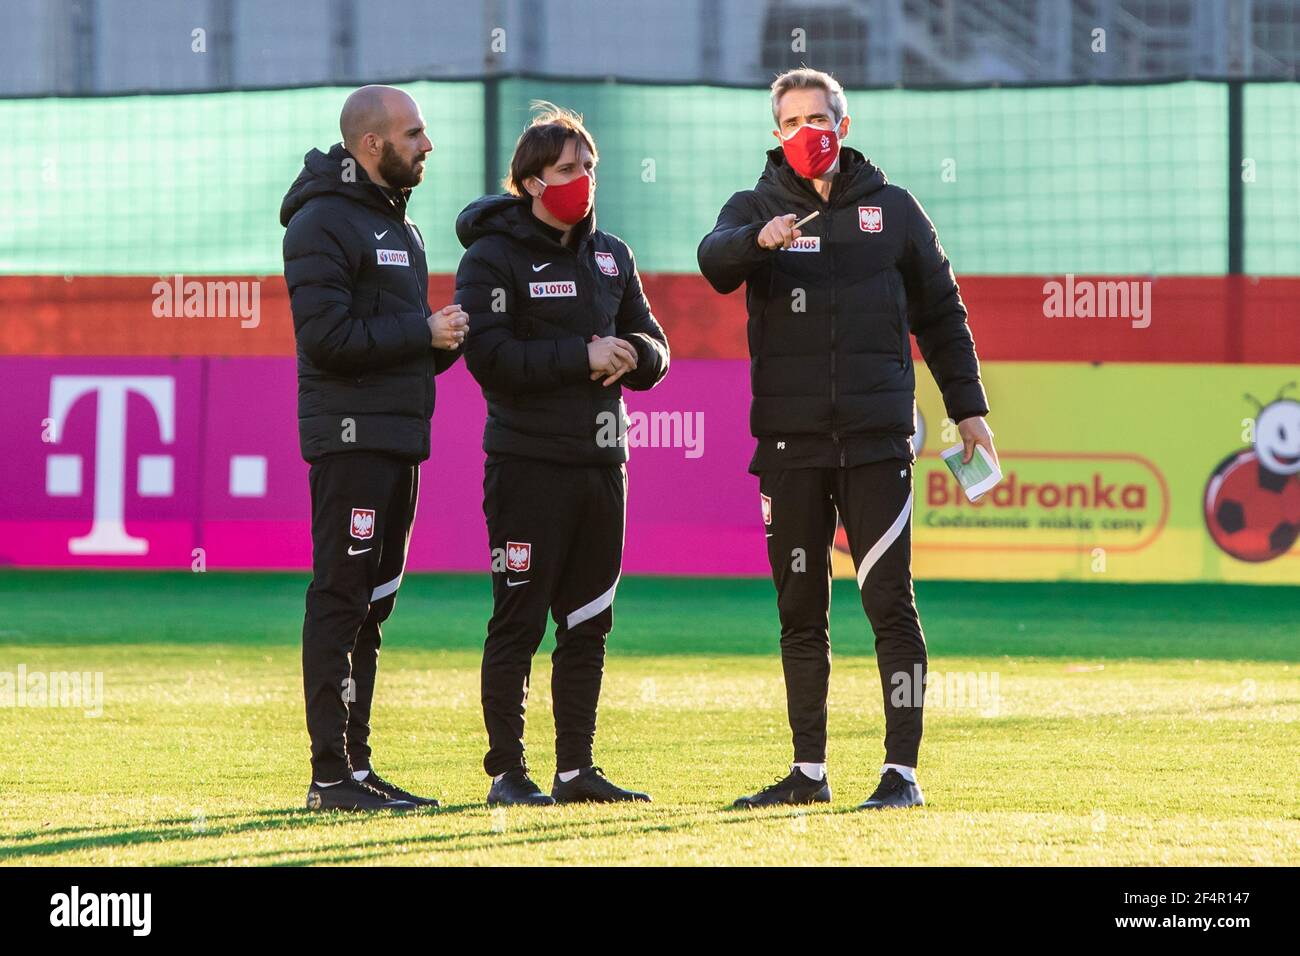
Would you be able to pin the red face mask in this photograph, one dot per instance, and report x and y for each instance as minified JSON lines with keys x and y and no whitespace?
{"x":811,"y":150}
{"x":568,"y":202}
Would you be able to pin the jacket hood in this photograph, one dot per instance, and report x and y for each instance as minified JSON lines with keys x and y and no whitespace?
{"x":322,"y":174}
{"x":513,"y":216}
{"x":858,"y":177}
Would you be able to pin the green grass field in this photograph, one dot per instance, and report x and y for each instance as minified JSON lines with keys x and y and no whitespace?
{"x":1128,"y":725}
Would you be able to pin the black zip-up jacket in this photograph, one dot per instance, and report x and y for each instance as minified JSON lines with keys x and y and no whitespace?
{"x":358,"y":287}
{"x":533,"y":306}
{"x":830,"y":358}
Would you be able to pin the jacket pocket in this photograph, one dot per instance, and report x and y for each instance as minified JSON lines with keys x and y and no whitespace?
{"x":376,"y":309}
{"x":900,"y":309}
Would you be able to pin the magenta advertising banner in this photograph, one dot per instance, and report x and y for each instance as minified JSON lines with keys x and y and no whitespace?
{"x":161,"y":463}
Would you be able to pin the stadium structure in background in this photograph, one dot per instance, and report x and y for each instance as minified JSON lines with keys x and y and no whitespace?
{"x":79,"y":47}
{"x":1066,"y":171}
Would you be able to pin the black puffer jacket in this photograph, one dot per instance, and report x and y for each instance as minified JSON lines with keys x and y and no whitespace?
{"x":533,"y":306}
{"x":830,"y":358}
{"x":358,"y":287}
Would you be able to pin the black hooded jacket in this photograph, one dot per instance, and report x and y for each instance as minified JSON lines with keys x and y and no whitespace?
{"x":830,"y":358}
{"x":533,"y":306}
{"x":358,"y":287}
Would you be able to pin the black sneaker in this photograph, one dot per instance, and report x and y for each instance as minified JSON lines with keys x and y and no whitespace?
{"x":796,"y":788}
{"x":894,"y":791}
{"x":354,"y":797}
{"x":516,"y":788}
{"x":394,"y":792}
{"x":592,"y":786}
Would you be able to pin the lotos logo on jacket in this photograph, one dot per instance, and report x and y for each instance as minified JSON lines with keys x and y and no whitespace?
{"x":393,"y":257}
{"x":519,"y":555}
{"x":870,"y":219}
{"x":607,"y":264}
{"x":363,"y":523}
{"x":550,"y":290}
{"x":806,"y":244}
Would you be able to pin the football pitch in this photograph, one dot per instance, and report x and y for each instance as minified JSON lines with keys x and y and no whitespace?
{"x":1075,"y":724}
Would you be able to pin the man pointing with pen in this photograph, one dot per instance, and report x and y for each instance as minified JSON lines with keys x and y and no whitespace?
{"x":839,"y":268}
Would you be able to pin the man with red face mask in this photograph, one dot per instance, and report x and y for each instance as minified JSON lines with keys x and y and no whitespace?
{"x":831,"y":306}
{"x":558,"y":326}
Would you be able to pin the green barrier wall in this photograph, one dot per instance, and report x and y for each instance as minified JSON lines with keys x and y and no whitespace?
{"x":1078,"y":179}
{"x":1272,"y":201}
{"x":1088,"y":179}
{"x":193,"y":183}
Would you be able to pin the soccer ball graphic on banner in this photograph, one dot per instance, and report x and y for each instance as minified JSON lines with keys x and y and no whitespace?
{"x":1252,"y":500}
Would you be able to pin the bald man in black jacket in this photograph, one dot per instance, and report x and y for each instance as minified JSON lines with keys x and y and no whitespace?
{"x":368,"y":350}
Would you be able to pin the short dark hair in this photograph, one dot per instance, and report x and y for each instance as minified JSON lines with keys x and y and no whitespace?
{"x":541,"y":144}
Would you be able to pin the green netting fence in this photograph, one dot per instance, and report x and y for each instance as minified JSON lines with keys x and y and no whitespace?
{"x":1129,"y":179}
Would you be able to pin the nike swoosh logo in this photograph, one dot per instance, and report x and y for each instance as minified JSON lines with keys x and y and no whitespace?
{"x":380,"y":235}
{"x":362,"y":551}
{"x":768,"y":535}
{"x":515,"y":584}
{"x":541,"y":267}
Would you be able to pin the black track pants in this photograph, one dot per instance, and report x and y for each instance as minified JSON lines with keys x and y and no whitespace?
{"x":556,"y":533}
{"x":362,"y":509}
{"x":874,"y":501}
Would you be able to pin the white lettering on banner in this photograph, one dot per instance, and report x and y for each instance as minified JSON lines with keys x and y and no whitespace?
{"x":393,"y":257}
{"x":108,"y":529}
{"x":806,"y":244}
{"x":550,"y":290}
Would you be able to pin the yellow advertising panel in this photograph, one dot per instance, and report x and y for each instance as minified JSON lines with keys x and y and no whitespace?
{"x":1118,"y":472}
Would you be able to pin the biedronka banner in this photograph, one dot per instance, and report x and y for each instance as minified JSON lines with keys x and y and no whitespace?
{"x":1119,"y":472}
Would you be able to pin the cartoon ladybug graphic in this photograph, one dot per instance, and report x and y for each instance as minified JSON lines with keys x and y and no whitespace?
{"x":1252,"y":501}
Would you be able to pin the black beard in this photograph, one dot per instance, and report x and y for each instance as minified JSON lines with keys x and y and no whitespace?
{"x":396,"y":173}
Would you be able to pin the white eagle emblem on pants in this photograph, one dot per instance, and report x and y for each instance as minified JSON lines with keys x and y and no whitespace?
{"x":519,"y":555}
{"x":363,"y":523}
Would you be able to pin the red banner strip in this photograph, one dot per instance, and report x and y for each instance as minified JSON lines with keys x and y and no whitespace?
{"x":1202,"y":319}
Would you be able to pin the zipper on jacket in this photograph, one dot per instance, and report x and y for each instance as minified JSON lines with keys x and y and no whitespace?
{"x":586,"y":295}
{"x":408,"y":241}
{"x":586,"y":304}
{"x":835,"y":437}
{"x":430,"y":363}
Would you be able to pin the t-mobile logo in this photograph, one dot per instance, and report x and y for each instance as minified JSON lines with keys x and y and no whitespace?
{"x":154,"y":472}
